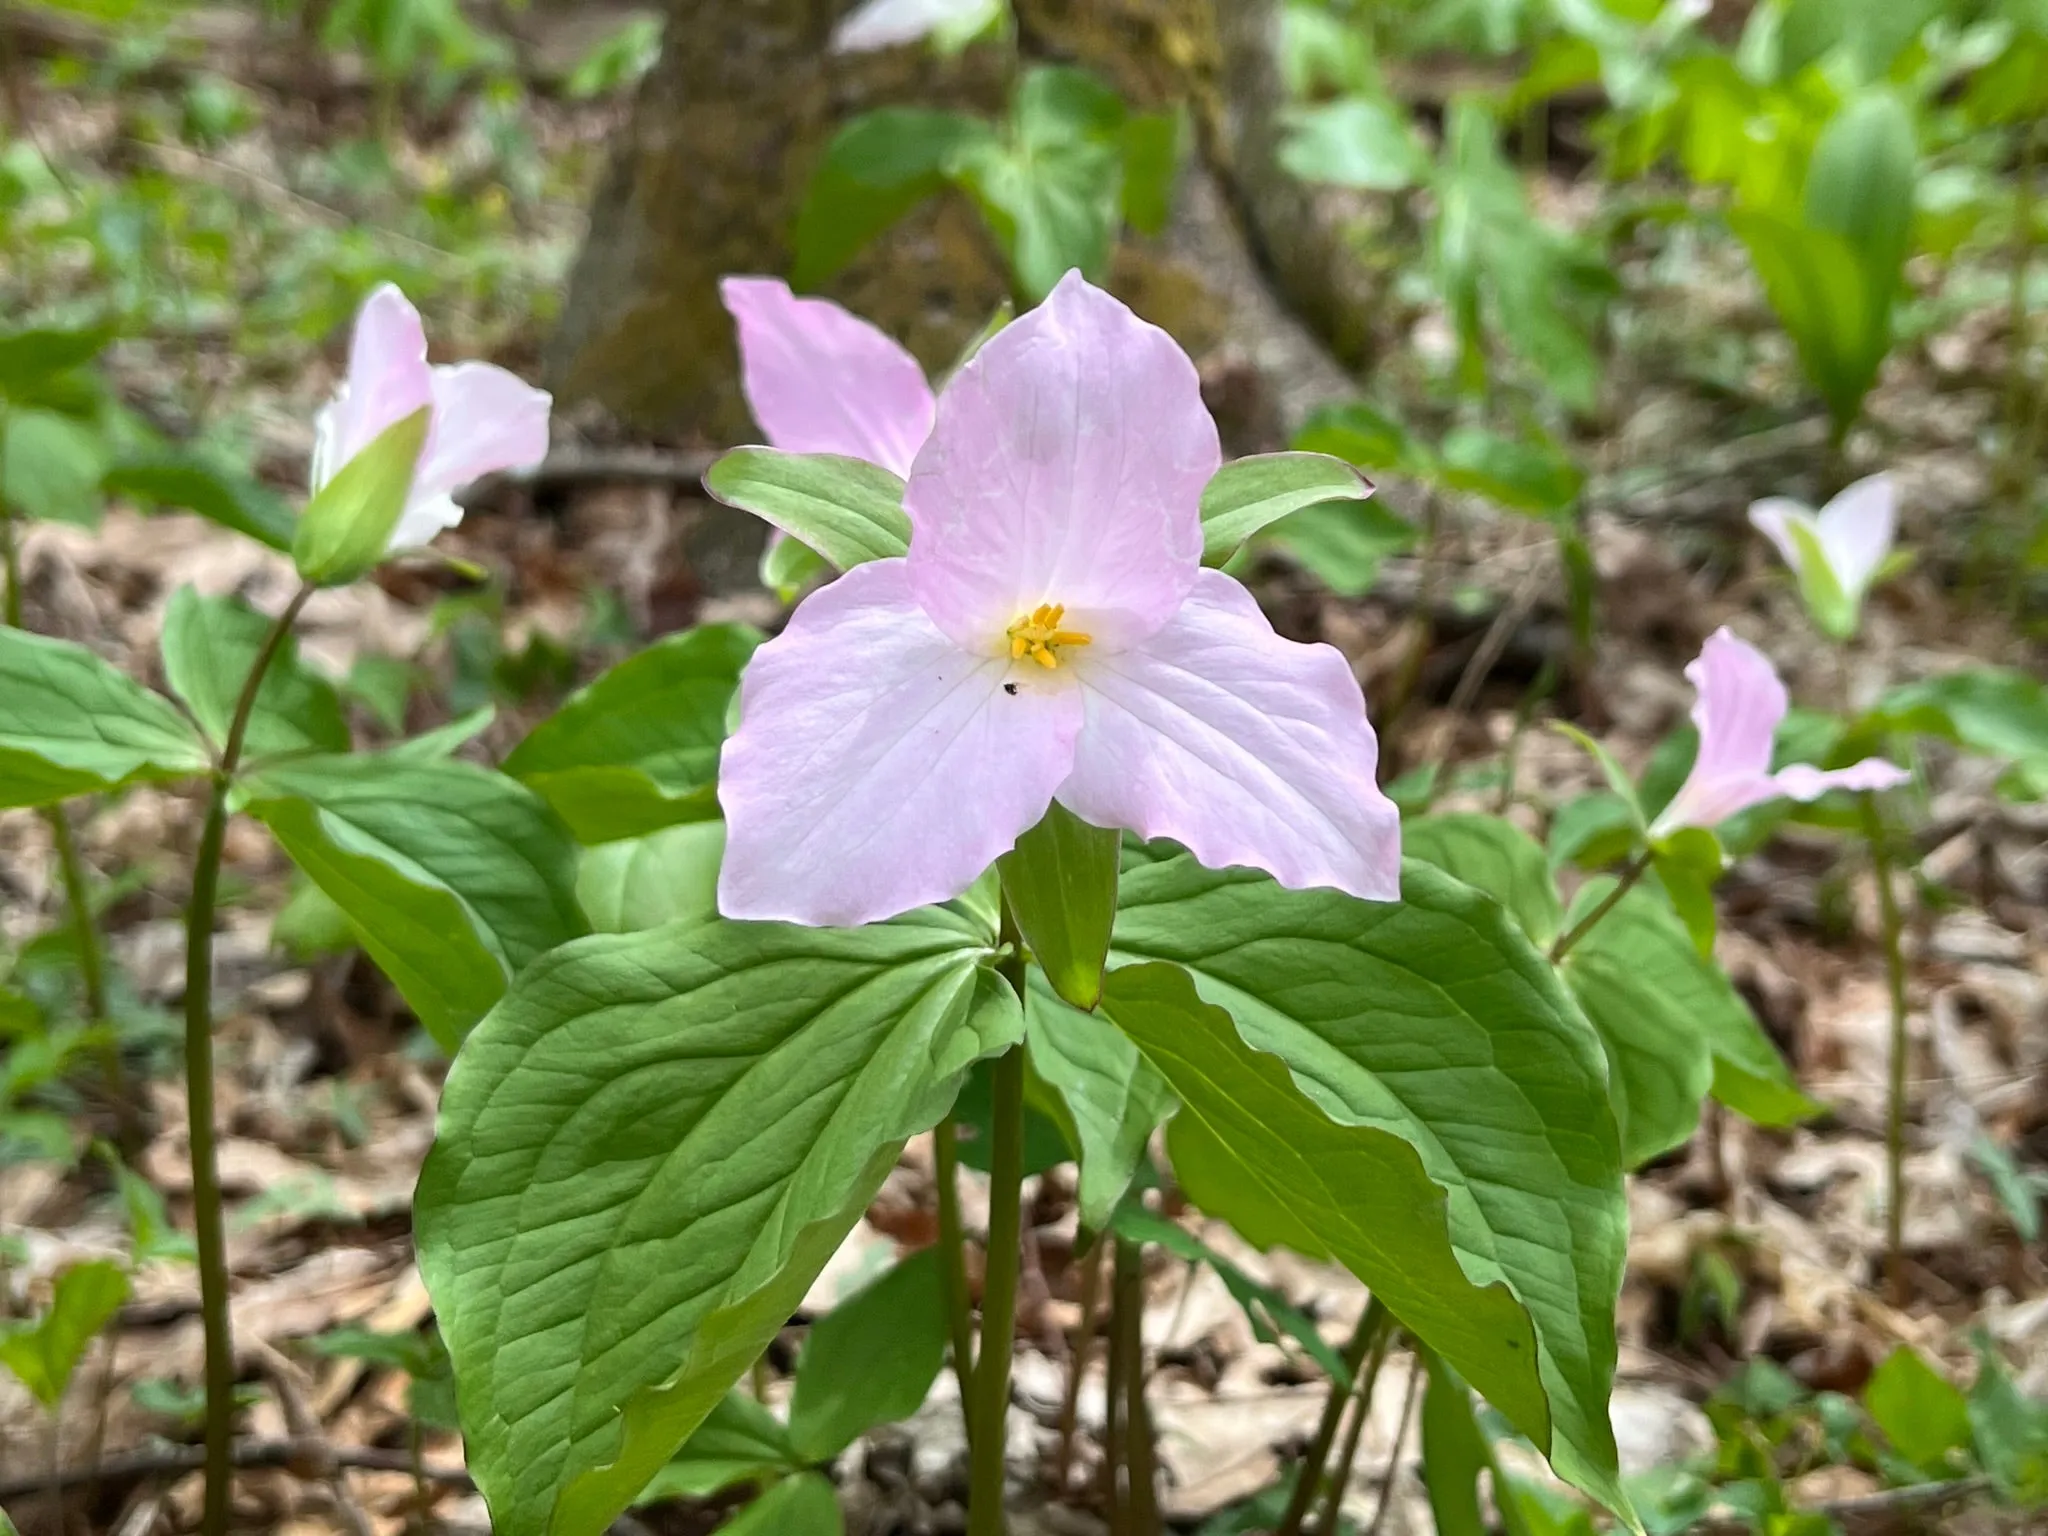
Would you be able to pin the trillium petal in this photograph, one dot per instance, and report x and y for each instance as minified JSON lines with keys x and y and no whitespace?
{"x":1856,"y":530}
{"x":877,"y":766}
{"x":1773,"y":516}
{"x":1066,"y":466}
{"x":485,"y":420}
{"x":820,"y":380}
{"x":1802,"y":781}
{"x":1248,"y":748}
{"x":388,"y":379}
{"x":1738,"y":707}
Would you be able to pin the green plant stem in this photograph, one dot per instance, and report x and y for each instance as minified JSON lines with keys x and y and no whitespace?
{"x":2019,"y":470}
{"x":1333,"y":1500}
{"x":953,"y":1263}
{"x":1364,"y":1340}
{"x":1635,"y":869}
{"x":206,"y":1199}
{"x":10,"y":560}
{"x":1141,"y":1480}
{"x":999,"y":1284}
{"x":1077,"y":1363}
{"x":1895,"y":1088}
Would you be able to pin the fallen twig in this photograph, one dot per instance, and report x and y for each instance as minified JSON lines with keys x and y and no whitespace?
{"x":304,"y":1456}
{"x":1866,"y":1514}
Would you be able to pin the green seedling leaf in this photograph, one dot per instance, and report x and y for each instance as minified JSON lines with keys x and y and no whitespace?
{"x":1112,"y":1098}
{"x":2010,"y":1432}
{"x":44,"y":1351}
{"x":877,"y":168}
{"x":651,"y":1148}
{"x":1246,"y":495}
{"x":1270,"y":1313}
{"x":1926,"y":1419}
{"x":345,"y":531}
{"x":637,"y":750}
{"x":1673,"y":1026}
{"x":871,"y":1360}
{"x":456,"y":878}
{"x":1510,"y":1119}
{"x":1491,"y":855}
{"x":1354,"y":141}
{"x":848,"y":510}
{"x":1522,"y":475}
{"x":71,"y":724}
{"x":1060,"y":883}
{"x":210,"y":644}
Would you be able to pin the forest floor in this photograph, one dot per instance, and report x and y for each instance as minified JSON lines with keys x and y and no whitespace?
{"x":1747,"y":1245}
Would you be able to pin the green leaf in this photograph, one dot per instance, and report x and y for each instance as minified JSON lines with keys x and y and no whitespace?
{"x":877,"y":168}
{"x":1151,"y":155}
{"x":1051,"y":187}
{"x":1060,"y":883}
{"x":644,"y":882}
{"x":209,"y":646}
{"x":847,"y":510}
{"x":1838,"y":315}
{"x":1359,"y":434}
{"x":1617,"y":776}
{"x":646,"y":1154}
{"x":2011,"y":1432}
{"x":1270,"y":1313}
{"x":1998,"y":711}
{"x":804,"y":1505}
{"x":1520,"y":474}
{"x":1496,"y":857}
{"x":1251,"y":1147}
{"x":739,"y":1442}
{"x":870,"y":1360}
{"x":1429,"y":1023}
{"x":1112,"y":1097}
{"x":790,"y":565}
{"x":1688,"y":862}
{"x":1453,"y":1452}
{"x":191,"y":481}
{"x":1859,"y":183}
{"x":345,"y":531}
{"x":1343,"y":543}
{"x":50,"y":467}
{"x":44,"y":1351}
{"x":455,"y":877}
{"x":1673,"y":1026}
{"x":1247,"y":494}
{"x":2012,"y":88}
{"x":70,"y":724}
{"x":1926,"y":1419}
{"x":637,"y":750}
{"x":31,"y":358}
{"x":1354,"y":141}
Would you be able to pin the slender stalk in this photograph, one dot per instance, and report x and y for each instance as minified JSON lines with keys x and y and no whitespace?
{"x":10,"y":561}
{"x":953,"y":1263}
{"x":999,"y":1288}
{"x":206,"y":1199}
{"x":1141,"y":1481}
{"x":1631,"y":873}
{"x":2018,"y":471}
{"x":1895,"y":1088}
{"x":1114,"y":1433}
{"x":1361,"y":1399}
{"x":1364,"y":1339}
{"x":1092,"y":1263}
{"x":1386,"y":1493}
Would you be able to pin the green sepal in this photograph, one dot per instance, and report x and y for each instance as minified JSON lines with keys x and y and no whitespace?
{"x":1060,"y":882}
{"x":345,"y":531}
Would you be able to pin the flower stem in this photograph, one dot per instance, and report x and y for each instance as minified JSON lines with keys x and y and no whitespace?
{"x":1084,"y":1335}
{"x":1634,"y":871}
{"x":1333,"y":1500}
{"x":1895,"y":1089}
{"x":1364,"y":1341}
{"x":1141,"y":1481}
{"x":953,"y":1262}
{"x":998,"y":1297}
{"x":206,"y":1199}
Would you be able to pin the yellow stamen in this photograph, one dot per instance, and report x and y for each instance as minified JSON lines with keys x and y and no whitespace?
{"x":1039,"y":636}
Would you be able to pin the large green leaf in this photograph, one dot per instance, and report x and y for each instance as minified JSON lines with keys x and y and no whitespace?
{"x":647,"y":1152}
{"x":1859,"y":183}
{"x":1113,"y":1098}
{"x":1434,"y":1021}
{"x":1496,"y":857}
{"x":871,"y":1359}
{"x":209,"y":645}
{"x":637,"y":750}
{"x":1250,"y":1146}
{"x":739,"y":1442}
{"x":1837,"y":313}
{"x":1246,"y":495}
{"x":1673,"y":1026}
{"x":71,"y":724}
{"x":455,"y":877}
{"x":848,"y":510}
{"x":804,"y":1505}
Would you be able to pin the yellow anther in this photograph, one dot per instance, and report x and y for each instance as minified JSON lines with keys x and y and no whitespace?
{"x":1039,"y":636}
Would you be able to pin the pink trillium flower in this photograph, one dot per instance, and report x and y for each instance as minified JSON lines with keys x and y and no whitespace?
{"x":820,"y":380}
{"x":1738,"y":709}
{"x":1052,"y":634}
{"x":484,"y":418}
{"x":1851,"y":535}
